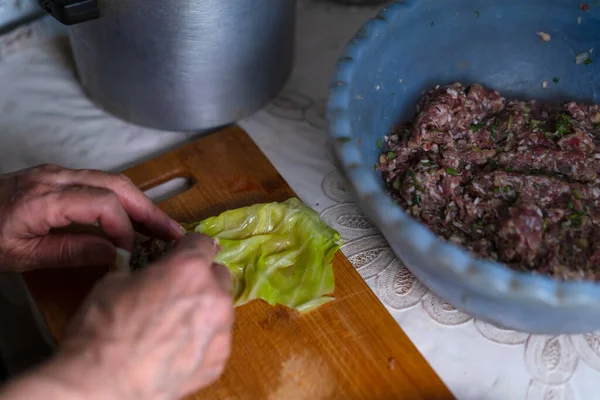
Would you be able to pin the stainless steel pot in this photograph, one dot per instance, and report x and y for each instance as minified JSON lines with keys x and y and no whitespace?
{"x":182,"y":65}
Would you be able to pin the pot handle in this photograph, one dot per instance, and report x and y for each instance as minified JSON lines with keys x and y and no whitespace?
{"x":70,"y":12}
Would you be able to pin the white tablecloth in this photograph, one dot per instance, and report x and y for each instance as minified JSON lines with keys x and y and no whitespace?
{"x":44,"y":117}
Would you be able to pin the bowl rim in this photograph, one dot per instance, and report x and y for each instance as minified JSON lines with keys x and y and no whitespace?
{"x":497,"y":278}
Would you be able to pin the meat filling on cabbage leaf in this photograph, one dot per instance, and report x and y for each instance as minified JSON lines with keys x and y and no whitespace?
{"x":281,"y":253}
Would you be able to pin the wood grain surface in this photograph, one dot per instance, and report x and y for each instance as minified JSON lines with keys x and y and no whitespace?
{"x":350,"y":348}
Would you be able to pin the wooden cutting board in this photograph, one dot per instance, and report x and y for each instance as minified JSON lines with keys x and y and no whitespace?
{"x":350,"y":348}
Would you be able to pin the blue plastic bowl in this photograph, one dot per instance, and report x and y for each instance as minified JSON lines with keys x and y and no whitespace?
{"x":414,"y":45}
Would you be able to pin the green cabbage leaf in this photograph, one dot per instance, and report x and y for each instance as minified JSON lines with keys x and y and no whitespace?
{"x":278,"y":252}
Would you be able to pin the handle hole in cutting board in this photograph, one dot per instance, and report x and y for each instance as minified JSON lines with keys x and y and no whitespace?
{"x":171,"y":188}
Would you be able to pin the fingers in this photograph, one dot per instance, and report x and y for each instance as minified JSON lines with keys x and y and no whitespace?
{"x":72,"y":250}
{"x":198,"y":245}
{"x":223,"y":276}
{"x":49,"y":197}
{"x":190,"y":268}
{"x":204,"y":249}
{"x":82,"y":205}
{"x":137,"y":205}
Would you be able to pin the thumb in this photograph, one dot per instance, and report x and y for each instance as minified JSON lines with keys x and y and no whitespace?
{"x":74,"y":250}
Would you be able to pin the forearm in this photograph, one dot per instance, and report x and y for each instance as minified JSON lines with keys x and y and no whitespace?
{"x":37,"y":386}
{"x":58,"y":379}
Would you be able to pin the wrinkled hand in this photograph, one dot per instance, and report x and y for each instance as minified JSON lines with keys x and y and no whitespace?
{"x":158,"y":334}
{"x":36,"y":200}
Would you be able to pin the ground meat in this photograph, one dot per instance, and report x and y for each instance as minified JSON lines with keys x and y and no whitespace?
{"x":148,"y":250}
{"x":509,"y":180}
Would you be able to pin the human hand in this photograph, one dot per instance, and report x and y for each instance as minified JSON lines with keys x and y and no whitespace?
{"x":36,"y":200}
{"x":158,"y":334}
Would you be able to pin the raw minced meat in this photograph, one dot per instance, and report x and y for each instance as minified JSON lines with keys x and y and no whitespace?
{"x":509,"y":180}
{"x":148,"y":250}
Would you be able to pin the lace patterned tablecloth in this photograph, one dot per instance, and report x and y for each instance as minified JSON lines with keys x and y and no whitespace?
{"x":44,"y":117}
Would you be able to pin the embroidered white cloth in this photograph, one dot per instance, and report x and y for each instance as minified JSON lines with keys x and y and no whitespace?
{"x":45,"y":117}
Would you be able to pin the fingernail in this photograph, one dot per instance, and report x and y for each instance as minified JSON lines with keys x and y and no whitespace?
{"x":216,"y":243}
{"x":177,"y":228}
{"x":122,"y":260}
